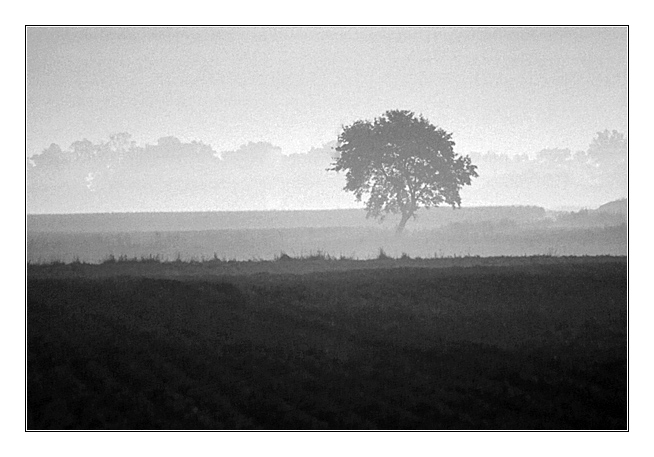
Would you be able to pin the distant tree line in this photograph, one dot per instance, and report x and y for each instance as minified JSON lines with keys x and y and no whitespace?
{"x":171,"y":175}
{"x":556,"y":176}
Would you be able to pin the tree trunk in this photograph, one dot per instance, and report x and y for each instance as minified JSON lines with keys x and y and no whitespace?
{"x":400,"y":227}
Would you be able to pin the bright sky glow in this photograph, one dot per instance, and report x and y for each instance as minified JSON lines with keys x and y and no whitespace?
{"x":507,"y":90}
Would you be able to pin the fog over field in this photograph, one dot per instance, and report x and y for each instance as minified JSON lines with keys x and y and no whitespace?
{"x":222,"y":147}
{"x":265,"y":235}
{"x":330,"y":228}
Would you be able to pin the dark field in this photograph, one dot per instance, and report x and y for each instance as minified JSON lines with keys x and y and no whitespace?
{"x":469,"y":343}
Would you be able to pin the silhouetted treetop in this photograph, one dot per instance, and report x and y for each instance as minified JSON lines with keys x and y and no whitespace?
{"x":402,"y":162}
{"x":609,"y":148}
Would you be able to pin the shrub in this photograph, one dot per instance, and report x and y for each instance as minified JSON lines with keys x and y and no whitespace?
{"x":382,"y":255}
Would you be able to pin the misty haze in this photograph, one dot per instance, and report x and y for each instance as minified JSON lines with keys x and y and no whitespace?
{"x":326,"y":228}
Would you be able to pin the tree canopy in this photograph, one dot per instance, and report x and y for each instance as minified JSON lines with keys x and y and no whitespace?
{"x":609,"y":148}
{"x":402,"y":162}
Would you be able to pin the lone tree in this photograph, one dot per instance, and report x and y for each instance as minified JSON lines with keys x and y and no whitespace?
{"x":403,"y":162}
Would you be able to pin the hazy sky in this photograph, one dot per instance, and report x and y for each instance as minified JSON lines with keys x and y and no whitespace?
{"x":513,"y":90}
